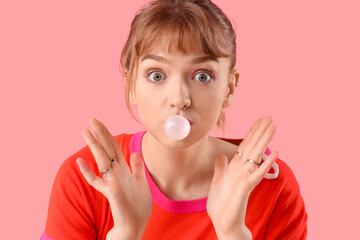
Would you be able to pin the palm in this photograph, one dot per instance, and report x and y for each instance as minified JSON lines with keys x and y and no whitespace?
{"x":234,"y":181}
{"x":128,"y":193}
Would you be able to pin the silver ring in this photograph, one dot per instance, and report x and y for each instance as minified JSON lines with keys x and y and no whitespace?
{"x":102,"y":173}
{"x":254,"y":162}
{"x":239,"y":153}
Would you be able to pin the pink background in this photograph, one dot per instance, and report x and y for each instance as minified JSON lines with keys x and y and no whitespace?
{"x":299,"y":63}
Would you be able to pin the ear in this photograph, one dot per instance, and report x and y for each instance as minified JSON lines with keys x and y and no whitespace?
{"x":233,"y":82}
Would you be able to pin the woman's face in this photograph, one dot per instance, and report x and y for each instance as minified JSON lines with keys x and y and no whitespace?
{"x":165,"y":83}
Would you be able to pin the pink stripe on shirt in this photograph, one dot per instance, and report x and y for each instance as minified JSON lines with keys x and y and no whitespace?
{"x":45,"y":237}
{"x":190,"y":206}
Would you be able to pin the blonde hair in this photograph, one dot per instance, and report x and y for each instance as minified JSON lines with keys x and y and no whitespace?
{"x":185,"y":26}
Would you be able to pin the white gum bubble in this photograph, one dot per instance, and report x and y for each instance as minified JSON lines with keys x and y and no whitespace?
{"x":177,"y":127}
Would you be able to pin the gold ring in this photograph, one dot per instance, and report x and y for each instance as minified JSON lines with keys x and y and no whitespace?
{"x":102,"y":173}
{"x":254,"y":162}
{"x":239,"y":153}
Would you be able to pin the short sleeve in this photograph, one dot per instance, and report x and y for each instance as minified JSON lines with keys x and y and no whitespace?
{"x":289,"y":218}
{"x":72,"y":202}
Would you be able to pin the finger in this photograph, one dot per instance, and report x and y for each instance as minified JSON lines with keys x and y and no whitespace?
{"x":221,"y":164}
{"x":257,"y":153}
{"x":257,"y":135}
{"x":111,"y":146}
{"x":89,"y":176}
{"x":248,"y":136}
{"x":138,"y":167}
{"x":264,"y":168}
{"x":103,"y":136}
{"x":101,"y":158}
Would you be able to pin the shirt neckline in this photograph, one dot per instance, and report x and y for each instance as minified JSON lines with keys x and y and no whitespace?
{"x":174,"y":206}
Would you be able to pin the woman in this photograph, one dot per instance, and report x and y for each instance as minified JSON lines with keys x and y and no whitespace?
{"x":179,"y":59}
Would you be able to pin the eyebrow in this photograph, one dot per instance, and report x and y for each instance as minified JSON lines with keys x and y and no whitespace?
{"x":192,"y":61}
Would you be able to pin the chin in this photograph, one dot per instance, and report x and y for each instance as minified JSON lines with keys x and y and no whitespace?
{"x":179,"y":144}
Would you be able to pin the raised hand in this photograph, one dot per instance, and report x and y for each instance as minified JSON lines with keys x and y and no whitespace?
{"x":128,"y":194}
{"x":233,"y":182}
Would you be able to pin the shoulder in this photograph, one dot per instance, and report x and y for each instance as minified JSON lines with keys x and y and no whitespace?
{"x":283,"y":212}
{"x":288,"y":218}
{"x":285,"y":183}
{"x":286,"y":176}
{"x":277,"y":203}
{"x":285,"y":186}
{"x":69,"y":166}
{"x":69,"y":183}
{"x":282,"y":188}
{"x":282,"y":194}
{"x":123,"y":138}
{"x":84,"y":205}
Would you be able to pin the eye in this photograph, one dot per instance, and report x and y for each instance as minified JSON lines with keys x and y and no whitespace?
{"x":204,"y":76}
{"x":155,"y":76}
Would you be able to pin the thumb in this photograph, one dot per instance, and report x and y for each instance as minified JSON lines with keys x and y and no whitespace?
{"x":221,"y":164}
{"x":137,"y":166}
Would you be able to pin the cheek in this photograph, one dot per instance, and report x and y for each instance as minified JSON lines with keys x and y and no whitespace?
{"x":209,"y":105}
{"x":147,"y":103}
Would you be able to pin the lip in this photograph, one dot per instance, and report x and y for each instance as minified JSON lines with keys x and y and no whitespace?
{"x":191,"y":123}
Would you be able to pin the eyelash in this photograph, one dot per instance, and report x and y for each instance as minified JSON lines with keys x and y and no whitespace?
{"x":212,"y":76}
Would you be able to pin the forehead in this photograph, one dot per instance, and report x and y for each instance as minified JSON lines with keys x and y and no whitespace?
{"x":170,"y":48}
{"x":177,"y":40}
{"x":168,"y":58}
{"x":167,"y":53}
{"x":169,"y":43}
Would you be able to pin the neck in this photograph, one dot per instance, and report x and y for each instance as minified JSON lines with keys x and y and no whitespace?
{"x":179,"y":170}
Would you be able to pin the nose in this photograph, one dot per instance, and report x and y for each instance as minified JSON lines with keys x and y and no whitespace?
{"x":179,"y":94}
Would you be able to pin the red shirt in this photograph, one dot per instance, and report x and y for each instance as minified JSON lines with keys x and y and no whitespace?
{"x":275,"y":208}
